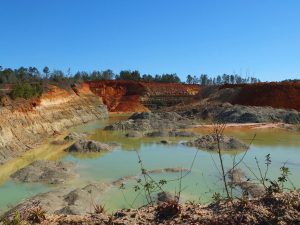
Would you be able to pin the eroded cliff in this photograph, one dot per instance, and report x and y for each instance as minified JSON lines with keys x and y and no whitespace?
{"x":136,"y":96}
{"x":26,"y":123}
{"x":277,"y":95}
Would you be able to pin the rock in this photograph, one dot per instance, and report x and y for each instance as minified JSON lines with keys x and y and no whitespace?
{"x":172,"y":133}
{"x":166,"y":142}
{"x":75,"y":136}
{"x":42,"y":171}
{"x":179,"y":133}
{"x":238,"y":178}
{"x":228,"y":113}
{"x":66,"y":201}
{"x":122,"y":180}
{"x":168,"y":170}
{"x":161,"y":133}
{"x":165,"y":196}
{"x":210,"y":142}
{"x":134,"y":134}
{"x":86,"y":146}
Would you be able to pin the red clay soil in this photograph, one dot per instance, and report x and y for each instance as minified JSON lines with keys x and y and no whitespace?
{"x":277,"y":95}
{"x":126,"y":96}
{"x":51,"y":93}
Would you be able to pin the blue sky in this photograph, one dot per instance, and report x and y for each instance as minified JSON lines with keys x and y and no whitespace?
{"x":248,"y":37}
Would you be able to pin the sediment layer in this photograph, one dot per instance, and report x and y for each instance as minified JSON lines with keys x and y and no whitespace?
{"x":26,"y":123}
{"x":136,"y":96}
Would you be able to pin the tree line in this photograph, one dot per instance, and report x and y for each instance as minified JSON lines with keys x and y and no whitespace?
{"x":204,"y":79}
{"x":29,"y":81}
{"x":33,"y":75}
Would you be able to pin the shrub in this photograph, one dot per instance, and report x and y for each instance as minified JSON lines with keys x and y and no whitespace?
{"x":26,"y":90}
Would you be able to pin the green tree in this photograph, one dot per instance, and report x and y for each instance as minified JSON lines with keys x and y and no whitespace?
{"x":189,"y":79}
{"x":107,"y":75}
{"x":57,"y":76}
{"x":195,"y":80}
{"x":203,"y":79}
{"x":46,"y":71}
{"x":128,"y":75}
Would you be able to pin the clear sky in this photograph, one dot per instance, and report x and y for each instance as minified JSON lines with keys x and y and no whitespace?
{"x":248,"y":37}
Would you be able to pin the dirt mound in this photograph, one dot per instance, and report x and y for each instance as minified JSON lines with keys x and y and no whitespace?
{"x":148,"y":121}
{"x":42,"y":171}
{"x":210,"y":142}
{"x":87,"y":146}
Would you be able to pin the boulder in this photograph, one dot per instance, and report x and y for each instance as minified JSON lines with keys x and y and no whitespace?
{"x":238,"y":178}
{"x":75,"y":136}
{"x":165,"y":196}
{"x":166,"y":142}
{"x":134,"y":134}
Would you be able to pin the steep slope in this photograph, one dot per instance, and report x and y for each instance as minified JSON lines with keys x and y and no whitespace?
{"x":135,"y":96}
{"x":25,"y":123}
{"x":277,"y":95}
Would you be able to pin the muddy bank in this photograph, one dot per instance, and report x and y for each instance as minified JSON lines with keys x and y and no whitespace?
{"x":210,"y":142}
{"x":45,"y":171}
{"x":25,"y":124}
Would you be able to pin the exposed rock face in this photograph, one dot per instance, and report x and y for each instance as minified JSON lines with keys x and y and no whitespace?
{"x":151,"y":121}
{"x":42,"y":171}
{"x":210,"y":142}
{"x":86,"y":146}
{"x":277,"y":95}
{"x":22,"y":127}
{"x":136,"y":96}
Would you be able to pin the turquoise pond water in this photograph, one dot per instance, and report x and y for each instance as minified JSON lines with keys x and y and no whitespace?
{"x":199,"y":185}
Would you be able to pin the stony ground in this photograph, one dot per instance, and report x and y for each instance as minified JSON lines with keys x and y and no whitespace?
{"x":210,"y":142}
{"x":280,"y":208}
{"x":45,"y":171}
